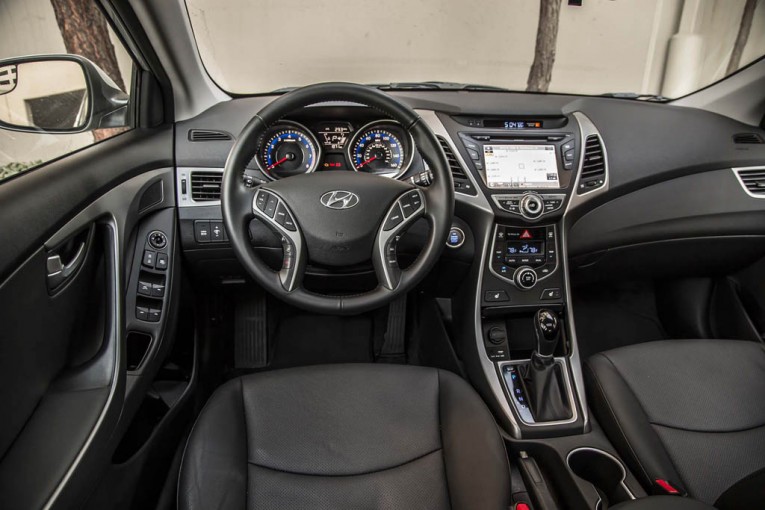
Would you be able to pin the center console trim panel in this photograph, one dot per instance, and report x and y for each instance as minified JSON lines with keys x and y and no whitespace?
{"x":563,"y":362}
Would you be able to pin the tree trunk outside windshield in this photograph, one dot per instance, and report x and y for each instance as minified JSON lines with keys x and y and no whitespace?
{"x":544,"y":54}
{"x":743,"y":36}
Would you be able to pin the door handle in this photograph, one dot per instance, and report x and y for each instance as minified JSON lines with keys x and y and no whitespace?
{"x":59,"y":272}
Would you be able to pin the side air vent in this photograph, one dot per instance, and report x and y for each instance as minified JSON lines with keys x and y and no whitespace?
{"x":593,"y":166}
{"x":462,"y":183}
{"x":205,"y":186}
{"x":753,"y":180}
{"x":207,"y":135}
{"x":747,"y":138}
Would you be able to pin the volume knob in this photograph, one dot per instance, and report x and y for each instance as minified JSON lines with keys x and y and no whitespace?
{"x":532,"y":206}
{"x":525,"y":278}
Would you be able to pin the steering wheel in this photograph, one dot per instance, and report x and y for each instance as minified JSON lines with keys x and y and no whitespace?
{"x":337,"y":218}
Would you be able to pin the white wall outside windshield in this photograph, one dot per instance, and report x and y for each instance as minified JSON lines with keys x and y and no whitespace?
{"x":253,"y":46}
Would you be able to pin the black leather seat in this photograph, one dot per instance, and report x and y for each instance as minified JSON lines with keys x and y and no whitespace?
{"x":345,"y":436}
{"x":691,"y":412}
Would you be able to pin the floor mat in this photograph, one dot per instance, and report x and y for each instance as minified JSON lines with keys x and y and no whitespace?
{"x":308,"y":339}
{"x":615,"y":316}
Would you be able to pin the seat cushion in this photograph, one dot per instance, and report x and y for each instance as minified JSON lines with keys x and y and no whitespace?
{"x":688,"y":411}
{"x":345,"y":436}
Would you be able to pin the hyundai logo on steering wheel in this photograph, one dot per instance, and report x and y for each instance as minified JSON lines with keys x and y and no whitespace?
{"x":339,"y":199}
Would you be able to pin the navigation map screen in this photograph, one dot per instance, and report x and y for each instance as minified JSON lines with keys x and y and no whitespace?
{"x":521,"y":166}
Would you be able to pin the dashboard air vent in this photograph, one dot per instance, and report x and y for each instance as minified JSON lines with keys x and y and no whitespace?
{"x":207,"y":135}
{"x":462,"y":183}
{"x":205,"y":186}
{"x":753,"y":180}
{"x":593,"y":166}
{"x":747,"y":138}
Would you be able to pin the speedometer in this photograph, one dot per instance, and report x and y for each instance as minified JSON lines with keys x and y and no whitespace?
{"x":378,"y":149}
{"x":289,"y":149}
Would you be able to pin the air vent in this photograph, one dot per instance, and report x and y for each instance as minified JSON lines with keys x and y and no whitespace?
{"x":205,"y":186}
{"x":207,"y":135}
{"x":462,"y":183}
{"x":593,"y":166}
{"x":747,"y":138}
{"x":753,"y":180}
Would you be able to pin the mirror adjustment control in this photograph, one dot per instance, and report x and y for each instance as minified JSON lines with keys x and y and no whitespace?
{"x":525,"y":278}
{"x":532,"y":206}
{"x":157,"y":240}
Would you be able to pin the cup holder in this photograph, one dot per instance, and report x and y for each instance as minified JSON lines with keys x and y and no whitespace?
{"x":604,"y":471}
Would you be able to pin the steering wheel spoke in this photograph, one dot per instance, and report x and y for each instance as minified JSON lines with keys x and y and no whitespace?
{"x":406,"y":209}
{"x":274,"y":212}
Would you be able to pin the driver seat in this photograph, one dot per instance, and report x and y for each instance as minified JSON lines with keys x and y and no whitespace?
{"x":345,"y":436}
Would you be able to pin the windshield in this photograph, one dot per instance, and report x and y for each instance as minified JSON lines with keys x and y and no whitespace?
{"x":645,"y":47}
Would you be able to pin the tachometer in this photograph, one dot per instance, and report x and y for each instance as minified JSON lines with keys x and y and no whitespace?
{"x":289,"y":149}
{"x":378,"y":149}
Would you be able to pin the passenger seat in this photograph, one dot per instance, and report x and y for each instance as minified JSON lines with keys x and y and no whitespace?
{"x":687,"y":415}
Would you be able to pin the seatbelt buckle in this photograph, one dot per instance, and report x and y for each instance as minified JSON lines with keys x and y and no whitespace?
{"x":666,"y":487}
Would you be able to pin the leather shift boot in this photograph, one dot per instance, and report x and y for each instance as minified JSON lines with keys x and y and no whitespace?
{"x":546,"y":391}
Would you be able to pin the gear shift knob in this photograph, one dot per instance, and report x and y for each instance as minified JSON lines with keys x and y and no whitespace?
{"x":547,"y":330}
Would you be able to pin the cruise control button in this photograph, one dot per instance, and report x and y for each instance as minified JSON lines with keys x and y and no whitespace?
{"x":261,"y":199}
{"x":289,"y":223}
{"x":281,"y":214}
{"x":415,"y":199}
{"x":395,"y":217}
{"x":270,"y":209}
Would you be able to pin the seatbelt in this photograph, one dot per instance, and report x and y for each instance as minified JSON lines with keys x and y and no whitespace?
{"x":393,"y":349}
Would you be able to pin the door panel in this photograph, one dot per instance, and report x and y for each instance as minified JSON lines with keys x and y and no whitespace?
{"x":62,"y":368}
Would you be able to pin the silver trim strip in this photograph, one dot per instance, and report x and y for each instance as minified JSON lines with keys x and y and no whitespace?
{"x":741,"y":181}
{"x":563,"y":362}
{"x":587,"y":128}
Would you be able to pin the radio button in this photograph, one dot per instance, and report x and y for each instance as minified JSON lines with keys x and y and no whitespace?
{"x":532,"y":206}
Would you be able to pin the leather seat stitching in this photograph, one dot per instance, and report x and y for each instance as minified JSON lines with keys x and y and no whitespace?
{"x":349,"y":475}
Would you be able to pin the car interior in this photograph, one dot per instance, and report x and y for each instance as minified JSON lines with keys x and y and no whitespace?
{"x":366,"y":293}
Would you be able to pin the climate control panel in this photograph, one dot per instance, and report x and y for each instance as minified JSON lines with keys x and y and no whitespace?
{"x":524,"y":255}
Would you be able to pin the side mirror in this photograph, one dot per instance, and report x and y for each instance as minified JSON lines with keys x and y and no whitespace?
{"x":58,"y":94}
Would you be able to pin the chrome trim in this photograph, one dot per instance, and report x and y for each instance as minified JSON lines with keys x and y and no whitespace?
{"x":273,"y":129}
{"x":741,"y":181}
{"x":606,"y":454}
{"x":184,"y":172}
{"x":587,"y":128}
{"x":288,"y":276}
{"x":477,"y":200}
{"x":512,"y":277}
{"x":388,"y":271}
{"x":409,"y":153}
{"x":563,"y":362}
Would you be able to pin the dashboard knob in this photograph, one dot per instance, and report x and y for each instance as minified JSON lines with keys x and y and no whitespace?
{"x":525,"y":278}
{"x":532,"y":206}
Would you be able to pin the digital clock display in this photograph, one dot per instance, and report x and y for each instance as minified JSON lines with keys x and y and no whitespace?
{"x":512,"y":124}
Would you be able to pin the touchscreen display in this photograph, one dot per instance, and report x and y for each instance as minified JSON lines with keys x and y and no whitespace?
{"x":521,"y":166}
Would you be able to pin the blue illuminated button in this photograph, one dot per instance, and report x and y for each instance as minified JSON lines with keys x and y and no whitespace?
{"x":456,"y":238}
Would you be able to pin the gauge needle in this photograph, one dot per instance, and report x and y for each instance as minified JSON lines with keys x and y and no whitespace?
{"x":363,"y":163}
{"x":285,"y":158}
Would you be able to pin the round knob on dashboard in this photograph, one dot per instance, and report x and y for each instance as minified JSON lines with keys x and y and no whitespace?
{"x":532,"y":206}
{"x":525,"y":278}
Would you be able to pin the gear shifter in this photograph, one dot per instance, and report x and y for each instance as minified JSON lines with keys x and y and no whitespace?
{"x":547,"y":330}
{"x":543,"y":379}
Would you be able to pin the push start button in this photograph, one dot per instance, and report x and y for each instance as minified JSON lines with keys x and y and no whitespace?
{"x":456,"y":238}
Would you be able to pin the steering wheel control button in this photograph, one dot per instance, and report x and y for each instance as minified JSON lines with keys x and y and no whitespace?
{"x":525,"y":278}
{"x":456,"y":238}
{"x":550,"y":294}
{"x":162,"y":261}
{"x":202,"y":231}
{"x":157,"y":239}
{"x":532,"y":206}
{"x":261,"y":199}
{"x":271,"y":204}
{"x":149,"y":258}
{"x":395,"y":217}
{"x":495,"y":296}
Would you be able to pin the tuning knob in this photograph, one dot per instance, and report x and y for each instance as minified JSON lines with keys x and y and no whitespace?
{"x":525,"y":278}
{"x":532,"y":206}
